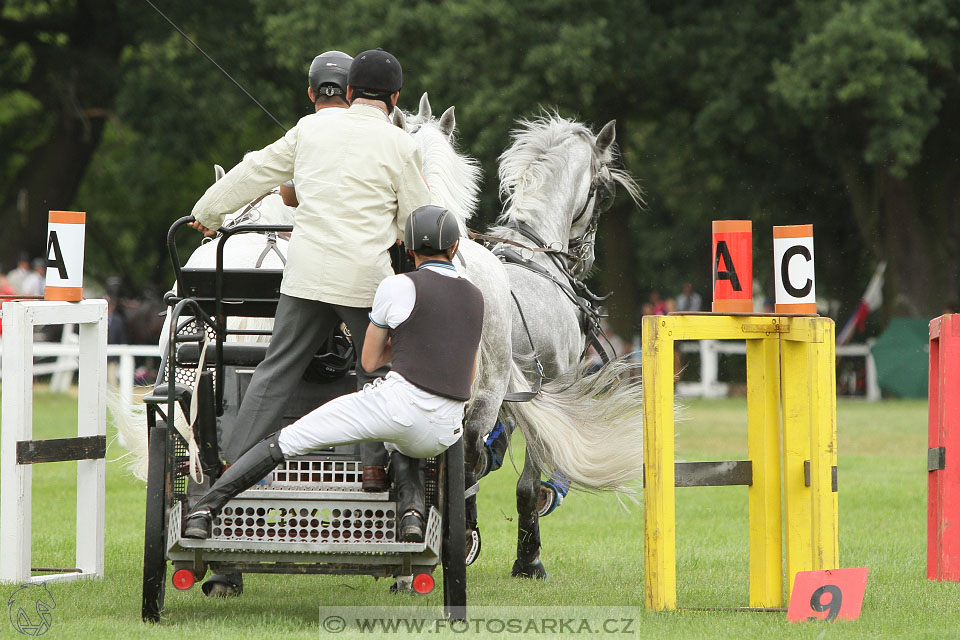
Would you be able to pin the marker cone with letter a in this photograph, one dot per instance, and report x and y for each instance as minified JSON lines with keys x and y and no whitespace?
{"x":732,"y":266}
{"x":65,"y":242}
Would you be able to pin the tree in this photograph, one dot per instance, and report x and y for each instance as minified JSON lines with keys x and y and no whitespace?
{"x":840,"y":114}
{"x":875,"y":85}
{"x":59,"y":79}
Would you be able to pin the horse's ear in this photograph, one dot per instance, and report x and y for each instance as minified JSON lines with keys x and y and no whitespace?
{"x":218,"y":172}
{"x":607,"y":135}
{"x":399,"y":119}
{"x":448,"y":122}
{"x":425,"y":112}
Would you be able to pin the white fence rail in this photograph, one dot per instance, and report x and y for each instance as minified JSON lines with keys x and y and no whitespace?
{"x":67,"y":351}
{"x":709,"y":385}
{"x":710,"y":351}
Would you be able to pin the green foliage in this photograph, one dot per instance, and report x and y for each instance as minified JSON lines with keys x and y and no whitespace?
{"x":869,"y":71}
{"x":837,"y":113}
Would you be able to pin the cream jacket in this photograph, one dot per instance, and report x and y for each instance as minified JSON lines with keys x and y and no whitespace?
{"x":357,"y":176}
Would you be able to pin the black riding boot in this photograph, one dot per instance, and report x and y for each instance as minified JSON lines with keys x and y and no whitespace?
{"x":242,"y":474}
{"x":408,"y":481}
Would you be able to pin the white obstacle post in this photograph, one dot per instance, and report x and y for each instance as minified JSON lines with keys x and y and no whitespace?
{"x":18,"y":449}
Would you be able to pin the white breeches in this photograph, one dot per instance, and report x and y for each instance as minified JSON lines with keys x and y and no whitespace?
{"x":405,"y":418}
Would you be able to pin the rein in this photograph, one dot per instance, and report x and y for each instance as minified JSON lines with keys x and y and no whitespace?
{"x":543,"y":248}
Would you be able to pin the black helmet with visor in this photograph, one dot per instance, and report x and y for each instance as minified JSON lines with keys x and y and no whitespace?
{"x":431,"y":227}
{"x":329,"y":72}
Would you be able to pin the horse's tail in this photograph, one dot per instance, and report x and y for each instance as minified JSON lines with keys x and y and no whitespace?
{"x":131,"y":423}
{"x":588,"y":427}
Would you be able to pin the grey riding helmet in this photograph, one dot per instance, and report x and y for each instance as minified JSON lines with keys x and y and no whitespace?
{"x":432,"y":227}
{"x":375,"y":73}
{"x":329,"y":72}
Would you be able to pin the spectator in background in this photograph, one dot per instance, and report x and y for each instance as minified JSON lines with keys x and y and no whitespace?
{"x":116,"y":323}
{"x":116,"y":334}
{"x":689,"y":300}
{"x":16,"y":276}
{"x":6,"y":291}
{"x":613,"y":341}
{"x":35,"y":281}
{"x":657,"y":303}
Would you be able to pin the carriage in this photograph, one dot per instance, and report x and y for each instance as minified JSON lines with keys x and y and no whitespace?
{"x":310,"y":515}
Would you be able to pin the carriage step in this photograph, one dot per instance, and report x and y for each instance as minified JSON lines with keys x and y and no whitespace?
{"x":324,"y":527}
{"x":301,"y":493}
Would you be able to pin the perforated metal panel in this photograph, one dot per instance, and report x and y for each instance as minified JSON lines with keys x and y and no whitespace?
{"x":341,"y":475}
{"x":187,"y":375}
{"x":305,"y":521}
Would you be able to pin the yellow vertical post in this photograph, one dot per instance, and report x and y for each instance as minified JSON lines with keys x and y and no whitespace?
{"x":659,"y":505}
{"x":796,"y":383}
{"x":823,"y":447}
{"x":763,"y":450}
{"x":808,"y":361}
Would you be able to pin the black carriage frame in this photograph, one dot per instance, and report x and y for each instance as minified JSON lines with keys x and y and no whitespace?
{"x":206,"y":298}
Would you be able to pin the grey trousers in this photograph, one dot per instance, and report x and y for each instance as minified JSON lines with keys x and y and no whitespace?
{"x":299,"y":330}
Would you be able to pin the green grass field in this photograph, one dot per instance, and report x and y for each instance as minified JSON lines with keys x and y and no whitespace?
{"x":593,"y":548}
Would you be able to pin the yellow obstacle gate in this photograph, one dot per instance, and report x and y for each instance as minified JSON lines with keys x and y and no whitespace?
{"x":791,"y":375}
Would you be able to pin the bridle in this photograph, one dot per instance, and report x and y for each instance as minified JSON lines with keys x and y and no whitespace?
{"x":602,"y":192}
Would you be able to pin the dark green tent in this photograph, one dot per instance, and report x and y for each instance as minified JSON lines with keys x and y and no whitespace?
{"x":902,"y":355}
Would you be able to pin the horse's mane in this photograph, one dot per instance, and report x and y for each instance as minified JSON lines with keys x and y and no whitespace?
{"x":453,"y":177}
{"x":536,"y":154}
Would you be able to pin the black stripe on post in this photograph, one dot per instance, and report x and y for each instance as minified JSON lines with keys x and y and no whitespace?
{"x":936,"y":459}
{"x":724,"y":473}
{"x":61,"y":449}
{"x":806,"y":476}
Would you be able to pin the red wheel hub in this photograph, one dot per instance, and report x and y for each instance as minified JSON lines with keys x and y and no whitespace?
{"x":423,"y":583}
{"x":183,"y":579}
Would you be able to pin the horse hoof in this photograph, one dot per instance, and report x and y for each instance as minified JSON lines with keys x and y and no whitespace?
{"x":473,"y":545}
{"x":222,"y":590}
{"x":223,"y":586}
{"x":550,"y":497}
{"x":535,"y":570}
{"x":403,"y":584}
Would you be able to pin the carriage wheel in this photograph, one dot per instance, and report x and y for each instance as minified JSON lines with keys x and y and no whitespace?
{"x":154,"y":533}
{"x":453,"y":550}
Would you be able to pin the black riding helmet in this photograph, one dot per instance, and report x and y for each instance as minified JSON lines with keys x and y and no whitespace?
{"x":375,"y":74}
{"x":432,"y":227}
{"x":330,"y":70}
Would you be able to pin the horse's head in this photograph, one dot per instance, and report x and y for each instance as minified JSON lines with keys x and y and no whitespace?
{"x":557,"y":177}
{"x":454,"y":178}
{"x":268,"y":210}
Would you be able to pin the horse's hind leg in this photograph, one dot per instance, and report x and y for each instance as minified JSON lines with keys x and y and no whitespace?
{"x":483,"y":412}
{"x":528,"y":564}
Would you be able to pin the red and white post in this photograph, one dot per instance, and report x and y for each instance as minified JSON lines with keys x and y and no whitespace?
{"x":943,"y":454}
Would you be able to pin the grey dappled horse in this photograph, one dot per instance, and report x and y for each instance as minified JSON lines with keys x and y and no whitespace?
{"x":588,"y":428}
{"x":554,"y":179}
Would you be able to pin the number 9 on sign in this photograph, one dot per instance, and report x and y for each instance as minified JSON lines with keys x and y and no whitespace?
{"x":825,"y":596}
{"x":832,"y":606}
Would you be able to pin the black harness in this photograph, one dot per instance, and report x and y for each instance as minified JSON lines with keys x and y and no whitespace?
{"x":570,"y":263}
{"x":587,"y":303}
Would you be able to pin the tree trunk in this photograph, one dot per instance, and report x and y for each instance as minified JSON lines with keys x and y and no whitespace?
{"x":48,"y":181}
{"x":77,"y":84}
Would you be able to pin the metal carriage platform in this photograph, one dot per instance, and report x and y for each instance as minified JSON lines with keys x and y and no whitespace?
{"x":309,"y":515}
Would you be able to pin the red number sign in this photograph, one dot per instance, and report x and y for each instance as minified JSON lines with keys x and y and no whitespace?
{"x":834,"y":594}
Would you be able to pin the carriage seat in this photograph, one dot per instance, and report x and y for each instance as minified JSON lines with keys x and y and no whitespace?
{"x":331,"y":363}
{"x":235,"y":354}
